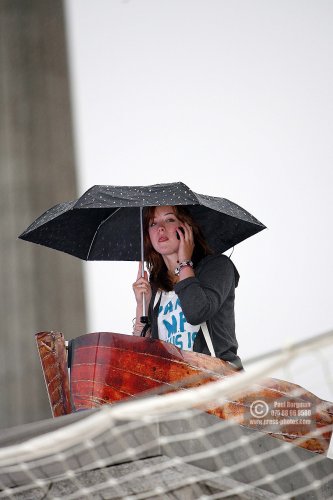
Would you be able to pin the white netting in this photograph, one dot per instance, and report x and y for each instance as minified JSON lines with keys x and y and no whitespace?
{"x":166,"y":446}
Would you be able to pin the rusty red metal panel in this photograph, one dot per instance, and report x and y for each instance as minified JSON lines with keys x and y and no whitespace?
{"x":108,"y":367}
{"x":52,"y":352}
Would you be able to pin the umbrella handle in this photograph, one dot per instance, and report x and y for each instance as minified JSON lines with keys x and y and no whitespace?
{"x":144,"y":318}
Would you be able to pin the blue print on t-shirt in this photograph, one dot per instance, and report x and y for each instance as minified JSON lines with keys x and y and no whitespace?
{"x":169,"y":307}
{"x":171,"y":327}
{"x":176,"y":328}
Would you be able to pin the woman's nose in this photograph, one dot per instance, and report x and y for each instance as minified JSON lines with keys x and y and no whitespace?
{"x":161,"y":227}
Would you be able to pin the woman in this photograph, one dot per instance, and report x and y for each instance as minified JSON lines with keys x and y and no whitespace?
{"x":188,"y":286}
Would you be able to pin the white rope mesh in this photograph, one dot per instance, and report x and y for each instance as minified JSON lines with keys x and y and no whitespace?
{"x":166,"y":445}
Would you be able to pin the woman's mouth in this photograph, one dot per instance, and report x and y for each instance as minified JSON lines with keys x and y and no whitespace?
{"x":162,"y":238}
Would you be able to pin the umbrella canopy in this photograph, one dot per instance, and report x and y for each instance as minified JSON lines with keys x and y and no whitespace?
{"x":104,"y":223}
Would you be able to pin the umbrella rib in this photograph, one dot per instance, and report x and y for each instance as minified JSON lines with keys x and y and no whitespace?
{"x":101,"y":224}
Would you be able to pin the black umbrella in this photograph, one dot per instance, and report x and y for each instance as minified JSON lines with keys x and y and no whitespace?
{"x":103,"y":223}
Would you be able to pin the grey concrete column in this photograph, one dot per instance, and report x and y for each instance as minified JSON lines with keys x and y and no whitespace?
{"x":40,"y":289}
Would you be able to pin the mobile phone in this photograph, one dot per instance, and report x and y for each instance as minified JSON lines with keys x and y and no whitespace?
{"x":179,"y":229}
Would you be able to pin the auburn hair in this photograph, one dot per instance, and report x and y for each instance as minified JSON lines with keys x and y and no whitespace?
{"x":159,"y":276}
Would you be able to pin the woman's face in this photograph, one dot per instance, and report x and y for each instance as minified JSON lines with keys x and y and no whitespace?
{"x":162,"y":230}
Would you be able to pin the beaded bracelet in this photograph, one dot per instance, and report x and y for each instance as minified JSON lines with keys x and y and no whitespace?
{"x":137,"y":326}
{"x":184,"y":263}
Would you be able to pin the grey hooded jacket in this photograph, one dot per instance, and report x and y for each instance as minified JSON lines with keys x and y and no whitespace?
{"x":209,"y":296}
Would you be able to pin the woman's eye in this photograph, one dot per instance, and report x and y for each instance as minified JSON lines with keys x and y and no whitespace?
{"x":170,"y":220}
{"x":152,"y":224}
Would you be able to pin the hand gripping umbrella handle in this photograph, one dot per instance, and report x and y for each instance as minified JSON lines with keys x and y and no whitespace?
{"x":144,"y":318}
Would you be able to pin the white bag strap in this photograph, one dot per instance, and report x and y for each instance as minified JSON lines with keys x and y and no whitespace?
{"x":208,"y":340}
{"x":157,"y":298}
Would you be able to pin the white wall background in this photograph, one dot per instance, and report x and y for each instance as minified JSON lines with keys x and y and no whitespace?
{"x":234,"y":98}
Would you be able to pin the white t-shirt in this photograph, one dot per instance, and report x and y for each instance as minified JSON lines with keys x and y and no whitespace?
{"x":172,"y":324}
